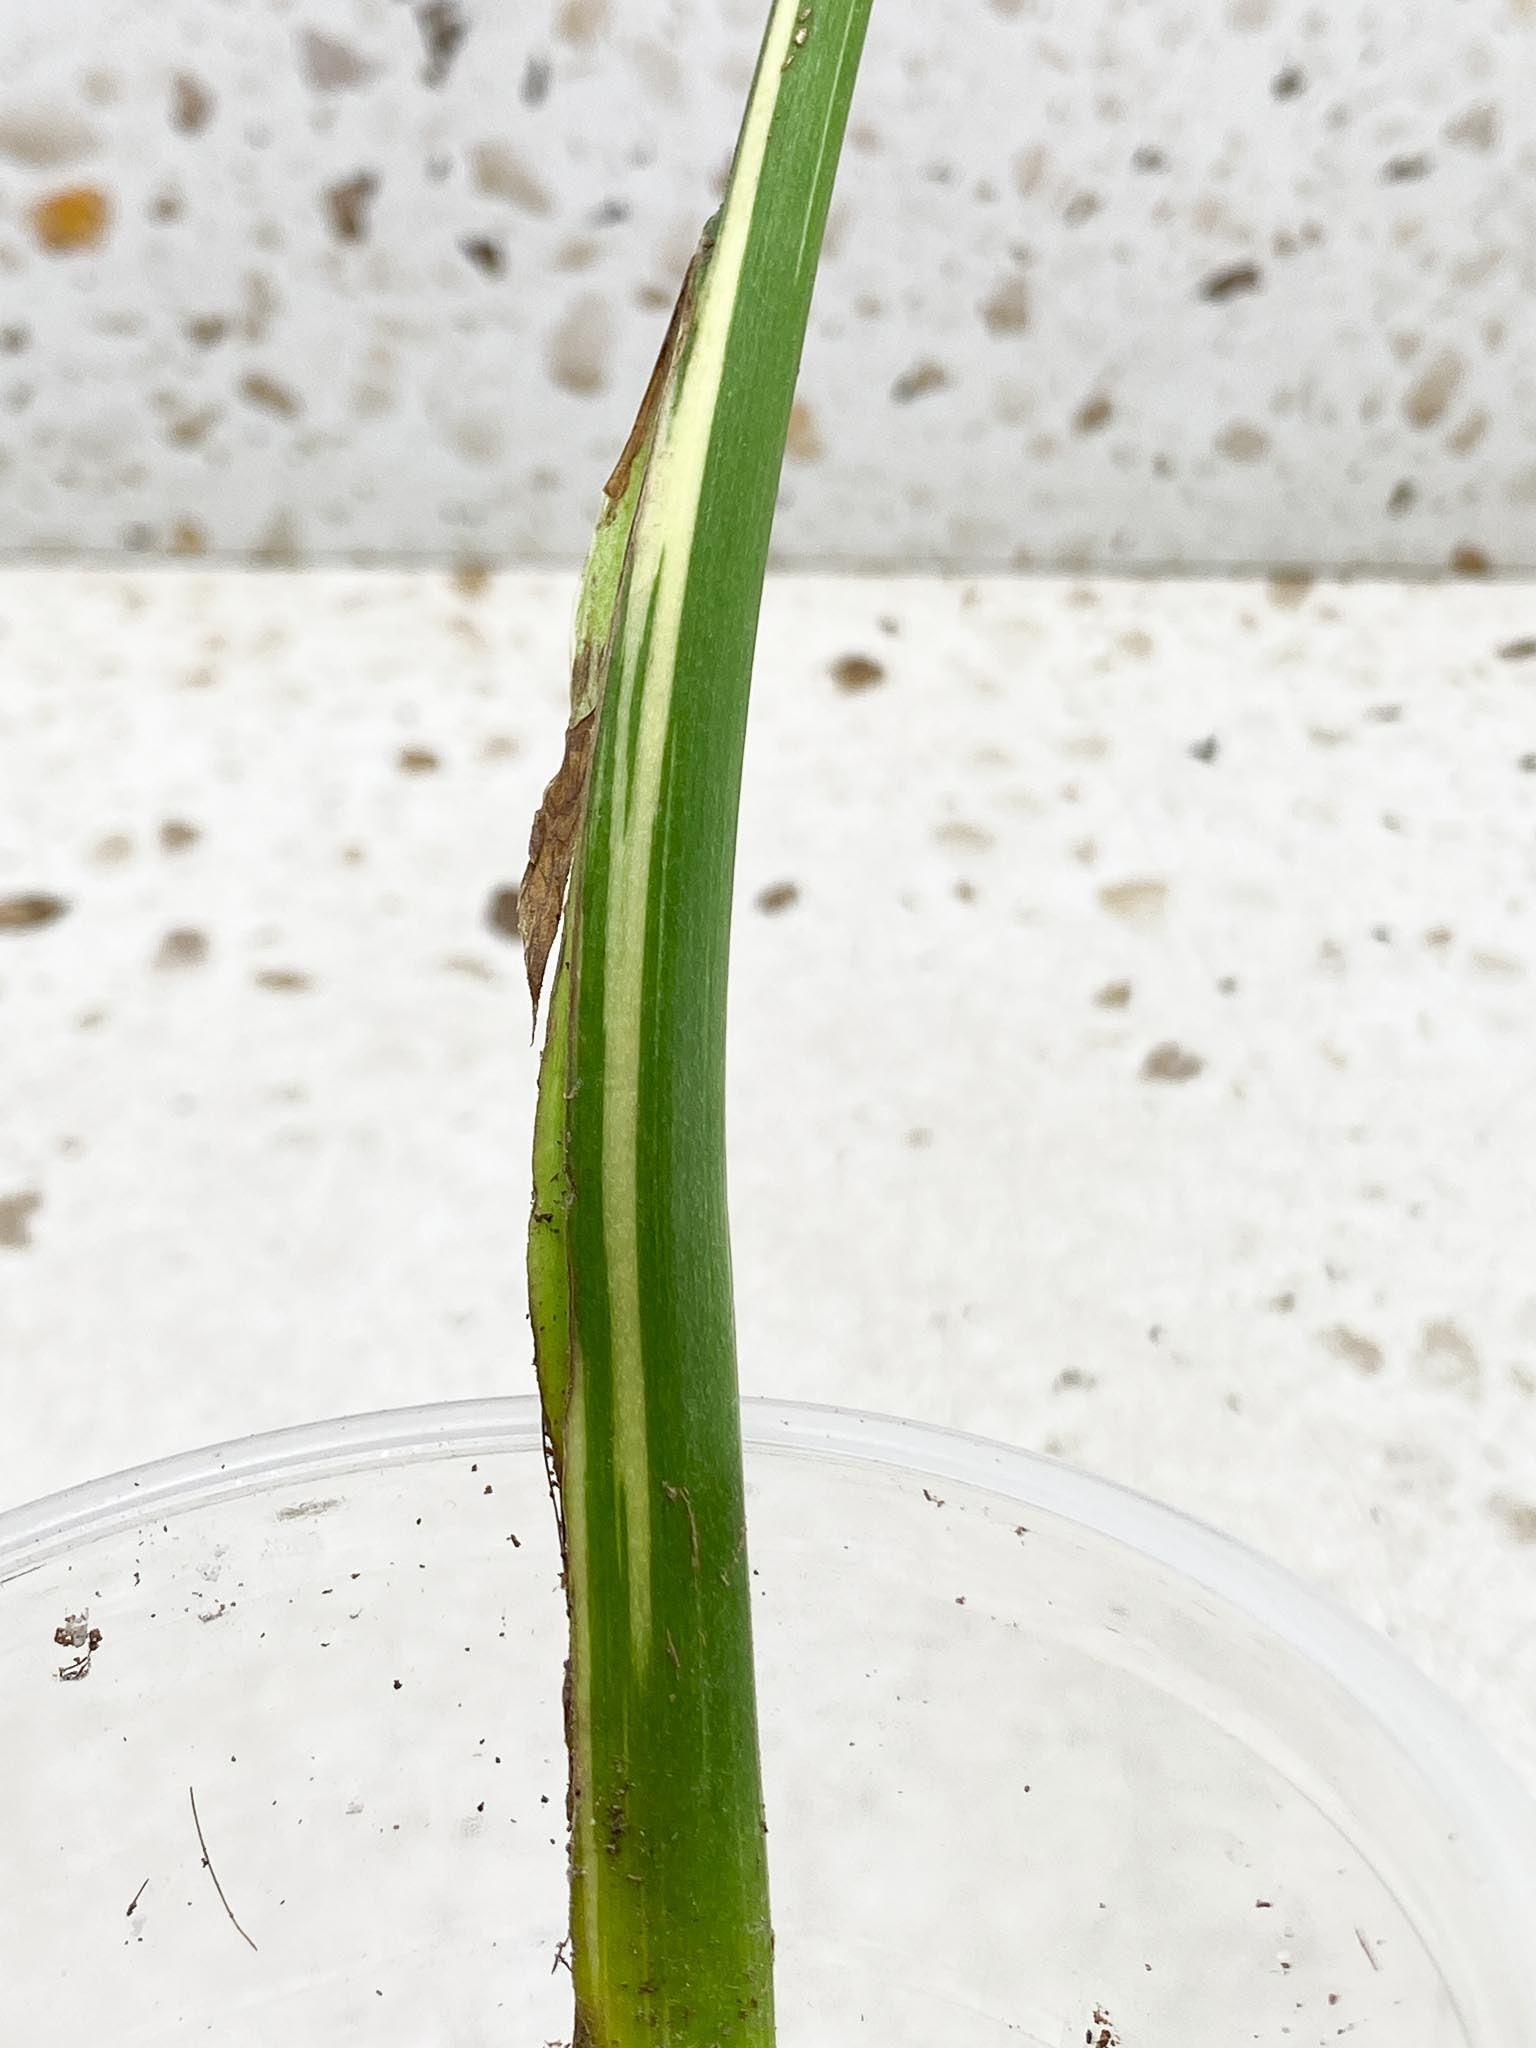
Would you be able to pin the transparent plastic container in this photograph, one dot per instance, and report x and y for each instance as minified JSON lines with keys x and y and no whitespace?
{"x":1045,"y":1763}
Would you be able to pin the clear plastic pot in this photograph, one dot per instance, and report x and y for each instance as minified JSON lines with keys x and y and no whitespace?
{"x":1045,"y":1763}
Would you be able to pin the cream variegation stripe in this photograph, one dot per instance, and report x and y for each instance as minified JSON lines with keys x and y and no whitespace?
{"x":658,"y":591}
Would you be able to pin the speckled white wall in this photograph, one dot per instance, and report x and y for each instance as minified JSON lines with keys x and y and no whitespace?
{"x":1116,"y":284}
{"x":1130,"y":1045}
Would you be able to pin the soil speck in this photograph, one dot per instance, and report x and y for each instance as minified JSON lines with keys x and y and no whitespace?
{"x":1092,"y":414}
{"x":1362,"y":1353}
{"x":854,"y":672}
{"x":1138,"y":902}
{"x":16,"y":1213}
{"x":500,"y":173}
{"x":443,"y":29}
{"x":76,"y":218}
{"x":1447,"y":1356}
{"x":579,"y":347}
{"x":804,"y":443}
{"x":501,"y":913}
{"x":778,"y":896}
{"x":46,"y":138}
{"x":1005,"y":310}
{"x":1516,"y":1516}
{"x":1232,"y":282}
{"x":330,"y":65}
{"x":192,"y":104}
{"x":181,"y":949}
{"x":1170,"y":1062}
{"x":923,"y":378}
{"x":1431,"y":392}
{"x":271,"y":395}
{"x":31,"y":912}
{"x":487,"y":256}
{"x":349,"y":204}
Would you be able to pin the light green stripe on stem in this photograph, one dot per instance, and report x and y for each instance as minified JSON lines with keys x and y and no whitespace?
{"x":671,"y":1940}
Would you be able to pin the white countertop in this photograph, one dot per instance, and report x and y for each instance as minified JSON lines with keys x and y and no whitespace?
{"x":1142,"y":1071}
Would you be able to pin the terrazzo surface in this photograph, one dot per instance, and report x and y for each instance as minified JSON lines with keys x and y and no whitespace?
{"x":1131,"y":1035}
{"x":1235,"y":282}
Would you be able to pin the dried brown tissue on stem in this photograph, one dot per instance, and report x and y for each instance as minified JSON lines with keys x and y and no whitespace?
{"x":557,"y":823}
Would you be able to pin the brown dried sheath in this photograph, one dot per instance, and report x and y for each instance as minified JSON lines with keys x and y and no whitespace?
{"x":557,"y":823}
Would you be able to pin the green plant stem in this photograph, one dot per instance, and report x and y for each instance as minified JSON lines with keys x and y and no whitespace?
{"x":671,"y":1942}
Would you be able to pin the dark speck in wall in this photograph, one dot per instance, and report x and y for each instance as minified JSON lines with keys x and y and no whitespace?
{"x":1231,"y":282}
{"x":1517,"y":1517}
{"x":1148,"y":158}
{"x":1093,"y":414}
{"x":1362,"y":1353}
{"x":1005,"y":310}
{"x":192,"y":104}
{"x":1289,"y":83}
{"x":923,"y":378}
{"x":350,"y":204}
{"x":285,"y":981}
{"x":778,"y":896}
{"x":1206,"y":749}
{"x":271,"y":395}
{"x":176,"y":835}
{"x":330,"y":65}
{"x":1405,"y":170}
{"x":1114,"y":995}
{"x":180,"y":949}
{"x":30,"y":912}
{"x":1518,"y":650}
{"x":443,"y":28}
{"x":75,"y":219}
{"x":804,"y":442}
{"x":1137,"y":902}
{"x":16,"y":1213}
{"x":417,"y":761}
{"x":1170,"y":1062}
{"x":501,"y":913}
{"x":1288,"y":588}
{"x":1470,"y":561}
{"x":485,"y":254}
{"x":534,"y":89}
{"x":854,"y":672}
{"x":1528,"y":764}
{"x":1477,"y":128}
